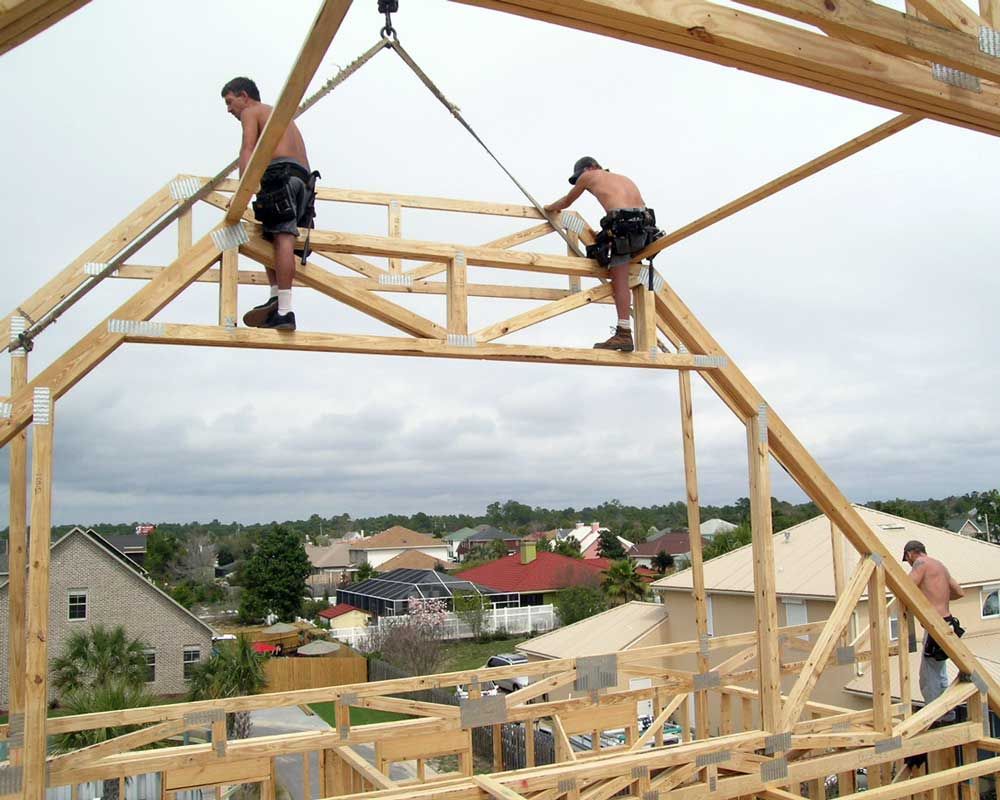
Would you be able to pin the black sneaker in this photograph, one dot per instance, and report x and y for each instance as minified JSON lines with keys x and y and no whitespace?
{"x":257,"y":316}
{"x":279,"y":322}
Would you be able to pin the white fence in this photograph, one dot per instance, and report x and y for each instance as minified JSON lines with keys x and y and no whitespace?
{"x":527,"y":619}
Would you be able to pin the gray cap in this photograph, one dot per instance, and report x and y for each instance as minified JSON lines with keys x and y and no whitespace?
{"x":911,"y":545}
{"x":580,"y":166}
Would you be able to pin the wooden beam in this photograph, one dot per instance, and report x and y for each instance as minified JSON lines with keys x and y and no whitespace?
{"x":765,"y":602}
{"x":659,"y":721}
{"x":324,"y":28}
{"x":119,"y":744}
{"x":36,"y":695}
{"x":228,"y":287}
{"x":838,"y":620}
{"x":948,"y":777}
{"x":694,"y":543}
{"x":878,"y":616}
{"x":432,"y":268}
{"x":400,"y":705}
{"x":458,"y":297}
{"x":563,"y":745}
{"x":17,"y":552}
{"x":538,"y":688}
{"x":363,"y":768}
{"x":989,"y":10}
{"x":953,"y":14}
{"x":734,"y":38}
{"x":395,"y":225}
{"x":21,"y":20}
{"x":212,"y":336}
{"x":954,"y":695}
{"x":548,"y":311}
{"x":496,"y":789}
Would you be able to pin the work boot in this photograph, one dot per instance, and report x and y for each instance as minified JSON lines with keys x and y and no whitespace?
{"x":280,"y":322}
{"x":257,"y":316}
{"x":622,"y":340}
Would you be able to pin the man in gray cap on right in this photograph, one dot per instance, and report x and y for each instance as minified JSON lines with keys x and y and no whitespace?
{"x":626,"y":229}
{"x":940,"y":588}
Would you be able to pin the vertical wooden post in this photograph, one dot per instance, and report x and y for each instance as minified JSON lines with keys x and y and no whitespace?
{"x":694,"y":542}
{"x":529,"y":743}
{"x":184,"y":235}
{"x":905,"y":690}
{"x":458,"y":301}
{"x":228,"y":286}
{"x":395,"y":232}
{"x":572,"y":249}
{"x":498,"y":748}
{"x":725,"y":714}
{"x":746,"y":714}
{"x":878,"y":621}
{"x":989,"y":10}
{"x":765,"y":599}
{"x":644,"y":303}
{"x":37,"y":685}
{"x":17,"y":542}
{"x":839,"y":581}
{"x":306,"y":777}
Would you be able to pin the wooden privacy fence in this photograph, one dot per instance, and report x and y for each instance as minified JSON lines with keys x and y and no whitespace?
{"x":291,"y":674}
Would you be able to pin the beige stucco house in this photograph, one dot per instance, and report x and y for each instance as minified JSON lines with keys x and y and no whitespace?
{"x":92,"y":583}
{"x":392,"y":542}
{"x":803,"y":558}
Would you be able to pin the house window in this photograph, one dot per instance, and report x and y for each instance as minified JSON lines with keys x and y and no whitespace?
{"x":796,"y":613}
{"x":710,"y":628}
{"x":192,"y":655}
{"x":894,"y":627}
{"x":77,"y":604}
{"x":990,"y":596}
{"x":150,"y":666}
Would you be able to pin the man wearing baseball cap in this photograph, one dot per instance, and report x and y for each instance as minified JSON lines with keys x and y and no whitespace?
{"x":940,"y":588}
{"x":627,"y":228}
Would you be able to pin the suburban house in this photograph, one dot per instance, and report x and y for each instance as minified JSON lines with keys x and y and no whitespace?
{"x":344,"y":615}
{"x":390,"y":594}
{"x":414,"y":559}
{"x":92,"y":583}
{"x":535,"y":578}
{"x":588,"y":536}
{"x":378,"y":549}
{"x":483,"y":539}
{"x":455,"y":538}
{"x":674,"y":543}
{"x":331,"y":565}
{"x":710,"y":528}
{"x":965,"y":525}
{"x":133,"y":545}
{"x":804,"y":574}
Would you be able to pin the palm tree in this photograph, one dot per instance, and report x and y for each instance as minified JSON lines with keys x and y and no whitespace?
{"x":622,"y":583}
{"x":112,"y":695}
{"x":89,"y":657}
{"x":232,"y":671}
{"x":663,"y":561}
{"x":365,"y":571}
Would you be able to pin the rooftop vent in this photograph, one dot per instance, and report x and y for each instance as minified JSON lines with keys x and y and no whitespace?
{"x":892,"y":526}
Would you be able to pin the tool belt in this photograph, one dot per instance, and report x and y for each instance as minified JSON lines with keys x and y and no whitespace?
{"x":933,"y":650}
{"x":623,"y":232}
{"x":275,"y":202}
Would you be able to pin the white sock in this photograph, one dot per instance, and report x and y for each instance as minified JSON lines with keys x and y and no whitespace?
{"x":274,"y":290}
{"x":284,"y":301}
{"x":625,"y":324}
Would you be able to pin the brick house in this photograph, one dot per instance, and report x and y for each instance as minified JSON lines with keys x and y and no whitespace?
{"x":92,"y":583}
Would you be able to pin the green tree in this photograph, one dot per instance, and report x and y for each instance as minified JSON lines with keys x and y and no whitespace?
{"x":730,"y":540}
{"x":608,"y":546}
{"x":621,"y":583}
{"x":579,"y":602}
{"x":663,"y":561}
{"x":89,"y":657}
{"x":473,"y":609}
{"x":234,"y":670}
{"x":497,"y":549}
{"x":113,"y":695}
{"x":162,"y":552}
{"x":275,"y":577}
{"x":569,"y":546}
{"x":365,"y":572}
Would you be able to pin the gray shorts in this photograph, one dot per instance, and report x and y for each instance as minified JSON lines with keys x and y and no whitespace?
{"x":300,"y":195}
{"x":624,"y":258}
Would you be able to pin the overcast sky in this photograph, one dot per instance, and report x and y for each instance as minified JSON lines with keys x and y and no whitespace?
{"x":862,"y":302}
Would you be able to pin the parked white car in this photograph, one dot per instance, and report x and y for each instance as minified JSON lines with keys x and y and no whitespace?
{"x":487,"y":689}
{"x":509,"y":660}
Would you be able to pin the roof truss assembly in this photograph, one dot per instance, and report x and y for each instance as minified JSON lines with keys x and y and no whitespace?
{"x":766,"y":742}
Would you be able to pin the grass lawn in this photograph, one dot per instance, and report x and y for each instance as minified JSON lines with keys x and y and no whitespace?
{"x":359,"y":716}
{"x":472,"y":655}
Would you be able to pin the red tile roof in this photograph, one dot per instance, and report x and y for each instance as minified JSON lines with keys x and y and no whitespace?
{"x":675,"y":543}
{"x":548,"y":572}
{"x":338,"y":610}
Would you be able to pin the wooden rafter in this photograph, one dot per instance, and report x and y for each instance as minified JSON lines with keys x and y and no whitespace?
{"x":20,"y":20}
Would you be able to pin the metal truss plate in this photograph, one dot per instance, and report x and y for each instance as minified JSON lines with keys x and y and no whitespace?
{"x":652,"y":794}
{"x":461,"y":340}
{"x":989,"y":41}
{"x":210,"y":717}
{"x":640,"y":773}
{"x":888,"y":745}
{"x":183,"y":188}
{"x":348,"y":699}
{"x":135,"y":327}
{"x":94,"y":268}
{"x":596,"y":672}
{"x":841,"y":727}
{"x":846,"y":655}
{"x":707,"y":680}
{"x":762,"y":423}
{"x":18,"y":325}
{"x":395,"y":279}
{"x":703,"y":648}
{"x":476,"y":713}
{"x":955,"y":77}
{"x":658,"y":281}
{"x":11,"y":779}
{"x":987,"y":731}
{"x":41,"y":411}
{"x":713,"y":782}
{"x":566,"y":785}
{"x":15,"y":724}
{"x":774,"y":770}
{"x":718,"y":757}
{"x":228,"y":238}
{"x":711,"y":362}
{"x":219,"y":746}
{"x":6,"y":409}
{"x":778,"y":743}
{"x":572,"y":222}
{"x":979,"y":682}
{"x":876,"y":559}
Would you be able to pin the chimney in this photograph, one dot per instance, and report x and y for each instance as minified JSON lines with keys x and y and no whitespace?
{"x":595,"y":526}
{"x":528,"y":550}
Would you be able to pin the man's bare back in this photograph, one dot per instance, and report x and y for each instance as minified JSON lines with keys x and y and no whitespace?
{"x":935,"y":582}
{"x":612,"y":191}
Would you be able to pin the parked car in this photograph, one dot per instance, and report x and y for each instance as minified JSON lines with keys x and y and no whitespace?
{"x":487,"y":688}
{"x":509,"y":660}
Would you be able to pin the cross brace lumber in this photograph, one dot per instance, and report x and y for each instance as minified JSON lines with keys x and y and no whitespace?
{"x":22,"y":19}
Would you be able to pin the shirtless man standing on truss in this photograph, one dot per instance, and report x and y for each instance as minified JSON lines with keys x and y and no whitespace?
{"x":940,"y":588}
{"x":628,"y":227}
{"x":284,"y":200}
